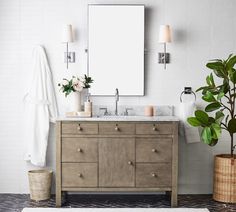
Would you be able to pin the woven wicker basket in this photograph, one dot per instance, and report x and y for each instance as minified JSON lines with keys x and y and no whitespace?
{"x":40,"y":184}
{"x":225,"y":179}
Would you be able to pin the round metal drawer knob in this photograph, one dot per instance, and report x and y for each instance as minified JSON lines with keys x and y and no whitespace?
{"x":154,"y":174}
{"x":154,"y":129}
{"x":79,"y":150}
{"x":80,"y":175}
{"x":130,"y":163}
{"x":79,"y":128}
{"x":154,"y":150}
{"x":117,"y":128}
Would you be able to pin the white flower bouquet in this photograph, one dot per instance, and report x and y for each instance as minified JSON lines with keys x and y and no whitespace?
{"x":76,"y":84}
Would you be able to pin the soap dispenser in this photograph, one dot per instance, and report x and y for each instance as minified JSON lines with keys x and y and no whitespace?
{"x":88,"y":105}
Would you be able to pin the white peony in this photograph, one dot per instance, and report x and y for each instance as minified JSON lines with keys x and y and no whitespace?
{"x":78,"y":85}
{"x":64,"y":82}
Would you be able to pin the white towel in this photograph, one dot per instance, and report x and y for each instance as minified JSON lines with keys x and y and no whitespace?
{"x":40,"y":108}
{"x":190,"y":133}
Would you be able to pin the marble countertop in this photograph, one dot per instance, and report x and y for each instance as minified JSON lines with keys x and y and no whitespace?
{"x":120,"y":118}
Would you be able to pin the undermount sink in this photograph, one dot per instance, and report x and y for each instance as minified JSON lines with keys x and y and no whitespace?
{"x":122,"y":117}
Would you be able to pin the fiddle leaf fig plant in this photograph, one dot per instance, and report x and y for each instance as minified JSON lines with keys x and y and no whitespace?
{"x":219,"y":114}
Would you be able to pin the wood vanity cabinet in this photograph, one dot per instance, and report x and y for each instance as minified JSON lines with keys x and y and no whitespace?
{"x":117,"y":156}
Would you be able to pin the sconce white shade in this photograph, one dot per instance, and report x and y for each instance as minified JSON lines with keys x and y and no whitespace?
{"x":164,"y":34}
{"x":67,"y":36}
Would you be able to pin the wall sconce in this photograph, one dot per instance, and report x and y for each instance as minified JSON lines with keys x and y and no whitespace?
{"x":164,"y":37}
{"x":69,"y":57}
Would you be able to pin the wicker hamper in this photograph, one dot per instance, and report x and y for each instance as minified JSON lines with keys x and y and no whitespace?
{"x":40,"y":184}
{"x":225,"y":179}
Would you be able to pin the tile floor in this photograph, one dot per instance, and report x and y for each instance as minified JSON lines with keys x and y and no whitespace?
{"x":16,"y":202}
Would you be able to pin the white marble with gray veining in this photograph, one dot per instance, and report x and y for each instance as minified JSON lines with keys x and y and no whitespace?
{"x":161,"y":113}
{"x":136,"y":110}
{"x":121,"y":118}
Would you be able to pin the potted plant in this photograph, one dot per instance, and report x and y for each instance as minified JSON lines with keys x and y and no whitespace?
{"x":218,"y":115}
{"x":75,"y":86}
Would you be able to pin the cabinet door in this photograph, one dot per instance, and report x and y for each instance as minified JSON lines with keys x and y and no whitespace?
{"x":116,"y":162}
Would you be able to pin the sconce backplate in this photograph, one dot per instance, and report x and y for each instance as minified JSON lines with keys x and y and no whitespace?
{"x":162,"y":56}
{"x":71,"y":57}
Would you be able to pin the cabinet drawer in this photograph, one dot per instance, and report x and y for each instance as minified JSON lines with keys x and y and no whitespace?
{"x":79,"y":150}
{"x":116,"y":129}
{"x":79,"y":175}
{"x":154,"y":128}
{"x":79,"y":128}
{"x":153,"y":149}
{"x":153,"y":175}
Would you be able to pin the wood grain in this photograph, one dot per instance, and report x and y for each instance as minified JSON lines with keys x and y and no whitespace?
{"x":79,"y":175}
{"x":117,"y":156}
{"x":80,"y":128}
{"x":154,"y":128}
{"x":79,"y":150}
{"x":153,"y":150}
{"x":174,"y":191}
{"x":58,"y":164}
{"x":153,"y":175}
{"x":116,"y":128}
{"x":114,"y":157}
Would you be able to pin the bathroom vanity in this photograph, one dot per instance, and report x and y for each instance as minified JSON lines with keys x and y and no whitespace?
{"x":117,"y":154}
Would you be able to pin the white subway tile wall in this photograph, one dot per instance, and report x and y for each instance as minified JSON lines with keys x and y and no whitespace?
{"x":202,"y":30}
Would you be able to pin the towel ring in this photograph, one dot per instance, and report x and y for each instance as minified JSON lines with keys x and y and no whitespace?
{"x":189,"y":92}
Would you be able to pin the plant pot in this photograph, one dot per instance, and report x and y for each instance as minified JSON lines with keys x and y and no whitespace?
{"x":225,"y":178}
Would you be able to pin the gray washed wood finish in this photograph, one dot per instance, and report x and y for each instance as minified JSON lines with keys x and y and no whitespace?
{"x":117,"y":156}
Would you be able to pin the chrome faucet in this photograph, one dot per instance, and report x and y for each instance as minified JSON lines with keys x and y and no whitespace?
{"x":116,"y":99}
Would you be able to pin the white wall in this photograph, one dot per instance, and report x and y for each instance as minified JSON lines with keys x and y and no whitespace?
{"x":202,"y":30}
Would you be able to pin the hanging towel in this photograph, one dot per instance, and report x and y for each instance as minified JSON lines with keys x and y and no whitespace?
{"x":190,"y":133}
{"x":40,"y":108}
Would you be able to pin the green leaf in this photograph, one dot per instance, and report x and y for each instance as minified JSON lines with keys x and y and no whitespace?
{"x":211,"y":120}
{"x":215,"y":65}
{"x":212,"y":80}
{"x":219,"y":73}
{"x":209,"y":97}
{"x":194,"y":121}
{"x":227,"y":60}
{"x":202,"y":117}
{"x":206,"y":135}
{"x":232,"y":75}
{"x":220,"y":95}
{"x":208,"y":81}
{"x":218,"y":68}
{"x":213,"y":106}
{"x":232,"y":125}
{"x":231,"y":62}
{"x":201,"y":88}
{"x":216,"y":130}
{"x":213,"y":142}
{"x":219,"y":116}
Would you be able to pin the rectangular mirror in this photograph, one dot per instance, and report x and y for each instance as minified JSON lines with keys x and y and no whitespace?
{"x":116,"y":49}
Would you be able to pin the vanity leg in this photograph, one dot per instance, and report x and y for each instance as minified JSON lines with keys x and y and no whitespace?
{"x":174,"y":198}
{"x":58,"y":198}
{"x":174,"y":189}
{"x":58,"y":164}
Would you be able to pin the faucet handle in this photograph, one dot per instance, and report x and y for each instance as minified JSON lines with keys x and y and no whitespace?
{"x":126,"y":113}
{"x":105,"y":110}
